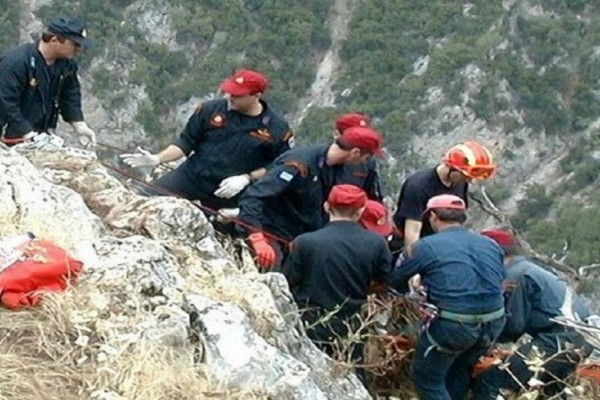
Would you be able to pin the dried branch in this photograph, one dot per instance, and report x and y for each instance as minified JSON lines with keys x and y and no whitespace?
{"x":488,"y":206}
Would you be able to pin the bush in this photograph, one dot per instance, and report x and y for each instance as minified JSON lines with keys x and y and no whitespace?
{"x":575,"y":223}
{"x":534,"y":206}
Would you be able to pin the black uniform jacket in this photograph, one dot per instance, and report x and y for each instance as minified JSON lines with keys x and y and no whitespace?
{"x":33,"y":93}
{"x":288,"y":200}
{"x":226,"y":143}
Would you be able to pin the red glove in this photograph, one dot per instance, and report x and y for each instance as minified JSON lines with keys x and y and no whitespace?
{"x":265,"y":254}
{"x":403,"y":343}
{"x":493,"y":358}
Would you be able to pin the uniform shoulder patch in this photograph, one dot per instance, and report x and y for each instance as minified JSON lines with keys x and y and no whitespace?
{"x":217,"y":120}
{"x":299,"y":166}
{"x":263,"y":135}
{"x":286,"y":176}
{"x":290,"y":139}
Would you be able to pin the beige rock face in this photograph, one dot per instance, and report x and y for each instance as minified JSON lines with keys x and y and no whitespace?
{"x":164,"y":309}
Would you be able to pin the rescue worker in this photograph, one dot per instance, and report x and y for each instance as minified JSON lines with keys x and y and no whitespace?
{"x":39,"y":81}
{"x":462,"y":273}
{"x":462,"y":163}
{"x":329,"y":271}
{"x":534,"y":296}
{"x":286,"y":202}
{"x":232,"y":140}
{"x":376,"y":219}
{"x":363,"y":175}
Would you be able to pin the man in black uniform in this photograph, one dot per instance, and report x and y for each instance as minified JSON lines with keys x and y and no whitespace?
{"x":233,"y":140}
{"x":39,"y":81}
{"x":363,"y":175}
{"x":462,"y":163}
{"x":329,"y":270}
{"x":288,"y":200}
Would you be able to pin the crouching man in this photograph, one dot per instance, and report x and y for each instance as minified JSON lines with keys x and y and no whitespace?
{"x":462,"y":272}
{"x":329,"y":271}
{"x":534,"y":296}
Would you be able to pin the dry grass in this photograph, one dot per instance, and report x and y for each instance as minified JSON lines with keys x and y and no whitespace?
{"x":42,"y":358}
{"x":69,"y":347}
{"x":383,"y":320}
{"x":388,"y":366}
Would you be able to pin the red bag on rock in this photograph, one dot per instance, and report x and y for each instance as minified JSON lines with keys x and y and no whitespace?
{"x":42,"y":267}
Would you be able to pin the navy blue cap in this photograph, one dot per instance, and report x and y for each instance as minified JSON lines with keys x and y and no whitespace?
{"x":70,"y":28}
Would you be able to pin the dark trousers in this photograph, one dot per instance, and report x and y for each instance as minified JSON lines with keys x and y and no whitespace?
{"x":561,"y":362}
{"x":445,"y":355}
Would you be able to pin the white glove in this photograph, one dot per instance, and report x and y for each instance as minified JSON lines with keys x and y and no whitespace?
{"x":231,"y":186}
{"x":143,"y":158}
{"x":30,"y":135}
{"x":45,"y":140}
{"x":226,"y":214}
{"x":87,"y":136}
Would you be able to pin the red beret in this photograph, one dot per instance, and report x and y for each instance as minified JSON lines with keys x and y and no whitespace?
{"x":363,"y":138}
{"x":350,"y":120}
{"x":245,"y":82}
{"x":375,"y":218}
{"x":502,"y":237}
{"x":347,"y":196}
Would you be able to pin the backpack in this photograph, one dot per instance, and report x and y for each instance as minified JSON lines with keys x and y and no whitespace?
{"x":44,"y":267}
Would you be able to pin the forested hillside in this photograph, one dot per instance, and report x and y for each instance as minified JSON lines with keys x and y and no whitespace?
{"x":523,"y":76}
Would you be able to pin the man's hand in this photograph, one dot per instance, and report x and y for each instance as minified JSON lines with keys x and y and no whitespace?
{"x":87,"y":136}
{"x":143,"y":158}
{"x":231,"y":186}
{"x":414,"y":283}
{"x":30,"y":135}
{"x":227,"y":214}
{"x":265,"y":254}
{"x":508,"y":285}
{"x":43,"y":139}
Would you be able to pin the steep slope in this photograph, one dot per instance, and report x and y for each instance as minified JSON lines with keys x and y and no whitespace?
{"x":321,"y":93}
{"x":162,"y":309}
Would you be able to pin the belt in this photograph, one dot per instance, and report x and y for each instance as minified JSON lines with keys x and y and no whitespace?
{"x":472,"y":318}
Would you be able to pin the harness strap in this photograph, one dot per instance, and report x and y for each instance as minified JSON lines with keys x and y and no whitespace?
{"x":472,"y":318}
{"x":436,"y":346}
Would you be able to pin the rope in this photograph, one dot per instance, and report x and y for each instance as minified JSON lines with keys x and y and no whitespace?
{"x":12,"y":141}
{"x":166,"y":192}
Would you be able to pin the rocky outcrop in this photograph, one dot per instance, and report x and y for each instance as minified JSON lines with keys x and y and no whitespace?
{"x":165,"y":307}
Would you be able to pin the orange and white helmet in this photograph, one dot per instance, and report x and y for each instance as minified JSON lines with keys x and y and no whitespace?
{"x":472,"y":159}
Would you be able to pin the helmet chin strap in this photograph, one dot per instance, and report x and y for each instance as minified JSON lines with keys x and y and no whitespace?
{"x":447,"y":177}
